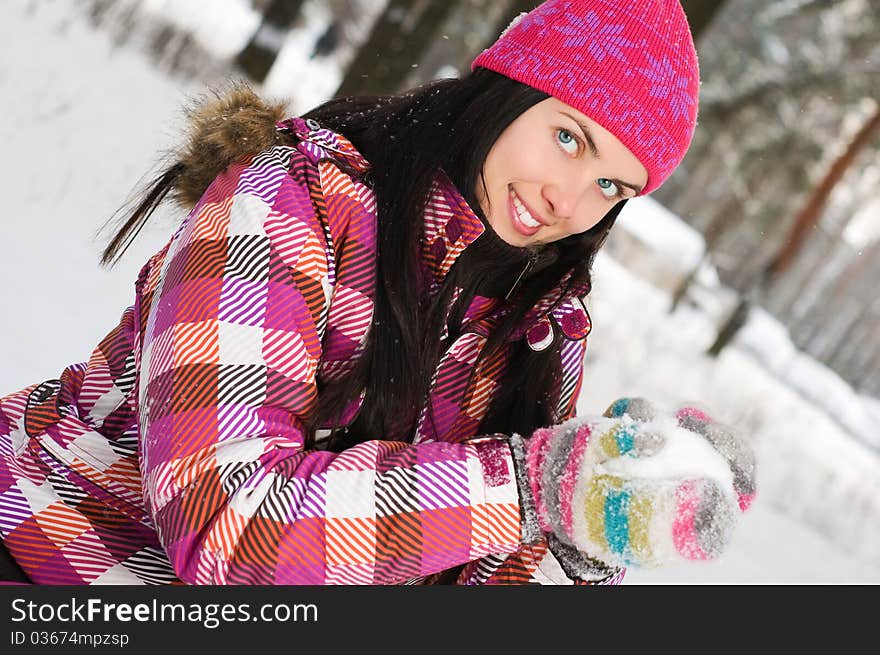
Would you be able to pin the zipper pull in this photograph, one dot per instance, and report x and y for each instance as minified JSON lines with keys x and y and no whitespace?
{"x":531,"y":260}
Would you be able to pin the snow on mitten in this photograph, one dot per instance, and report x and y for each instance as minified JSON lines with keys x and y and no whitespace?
{"x":640,"y":487}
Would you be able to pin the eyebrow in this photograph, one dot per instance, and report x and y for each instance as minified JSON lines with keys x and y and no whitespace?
{"x":595,"y":151}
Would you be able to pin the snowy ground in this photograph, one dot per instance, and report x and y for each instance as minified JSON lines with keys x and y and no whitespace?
{"x":817,"y":515}
{"x":83,"y":122}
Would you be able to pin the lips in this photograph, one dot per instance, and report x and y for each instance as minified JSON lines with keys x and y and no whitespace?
{"x":522,"y":218}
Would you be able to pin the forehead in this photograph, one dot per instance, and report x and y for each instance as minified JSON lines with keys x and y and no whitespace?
{"x":553,"y":105}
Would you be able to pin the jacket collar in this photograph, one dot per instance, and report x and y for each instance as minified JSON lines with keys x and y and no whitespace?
{"x":450,"y":227}
{"x":319,"y":142}
{"x":450,"y":223}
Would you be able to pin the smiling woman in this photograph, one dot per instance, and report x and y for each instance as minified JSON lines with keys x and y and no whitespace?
{"x":358,"y":357}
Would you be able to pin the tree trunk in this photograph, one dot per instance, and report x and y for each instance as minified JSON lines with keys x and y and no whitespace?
{"x":711,"y":234}
{"x":809,"y":216}
{"x":399,"y":38}
{"x":735,"y":321}
{"x":700,"y":13}
{"x":849,"y":287}
{"x":514,"y":9}
{"x":470,"y":27}
{"x":834,"y":297}
{"x":805,"y":221}
{"x":863,"y":380}
{"x":257,"y":57}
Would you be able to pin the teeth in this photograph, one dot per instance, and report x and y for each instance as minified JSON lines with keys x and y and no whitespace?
{"x":528,"y":221}
{"x":522,"y":213}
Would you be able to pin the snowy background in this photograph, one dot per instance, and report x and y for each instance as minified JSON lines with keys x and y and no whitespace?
{"x":84,"y":120}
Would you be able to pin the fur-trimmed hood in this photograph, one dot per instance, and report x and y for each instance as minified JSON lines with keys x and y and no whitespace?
{"x":223,"y":127}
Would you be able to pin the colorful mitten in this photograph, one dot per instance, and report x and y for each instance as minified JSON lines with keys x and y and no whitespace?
{"x":640,"y":487}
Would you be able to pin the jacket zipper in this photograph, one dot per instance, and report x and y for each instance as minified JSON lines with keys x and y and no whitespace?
{"x":529,"y":262}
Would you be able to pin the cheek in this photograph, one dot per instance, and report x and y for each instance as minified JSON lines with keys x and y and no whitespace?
{"x":523,"y":164}
{"x":591,"y":213}
{"x":524,"y":154}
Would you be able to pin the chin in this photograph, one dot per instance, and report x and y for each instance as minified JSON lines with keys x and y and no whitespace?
{"x":516,"y":240}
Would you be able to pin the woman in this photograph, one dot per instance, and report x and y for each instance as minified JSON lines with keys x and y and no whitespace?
{"x":357,"y":359}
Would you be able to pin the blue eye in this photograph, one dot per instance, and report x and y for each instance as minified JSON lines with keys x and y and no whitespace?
{"x":609,"y":189}
{"x":567,"y":141}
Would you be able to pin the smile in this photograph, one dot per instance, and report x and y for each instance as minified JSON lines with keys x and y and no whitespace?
{"x":524,"y":221}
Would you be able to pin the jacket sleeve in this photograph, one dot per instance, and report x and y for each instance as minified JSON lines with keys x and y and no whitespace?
{"x":542,"y":559}
{"x":232,"y":319}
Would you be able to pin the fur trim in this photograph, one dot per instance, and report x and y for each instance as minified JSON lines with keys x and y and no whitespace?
{"x":222,"y":129}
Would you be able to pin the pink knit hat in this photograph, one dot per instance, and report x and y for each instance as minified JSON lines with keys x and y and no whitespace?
{"x":630,"y":65}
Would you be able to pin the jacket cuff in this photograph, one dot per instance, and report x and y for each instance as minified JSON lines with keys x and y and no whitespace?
{"x":531,"y":528}
{"x":579,"y":565}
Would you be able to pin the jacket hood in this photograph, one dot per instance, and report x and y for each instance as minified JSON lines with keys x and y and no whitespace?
{"x":222,"y":127}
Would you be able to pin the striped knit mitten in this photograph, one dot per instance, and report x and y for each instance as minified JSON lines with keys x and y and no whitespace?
{"x":640,"y":487}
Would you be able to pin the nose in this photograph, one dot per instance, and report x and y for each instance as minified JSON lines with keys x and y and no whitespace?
{"x":561,"y":197}
{"x":564,"y":189}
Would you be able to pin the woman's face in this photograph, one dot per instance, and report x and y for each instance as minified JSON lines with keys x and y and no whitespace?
{"x":553,"y":173}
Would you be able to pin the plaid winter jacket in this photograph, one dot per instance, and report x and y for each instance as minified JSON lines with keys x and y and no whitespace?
{"x":177,"y":452}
